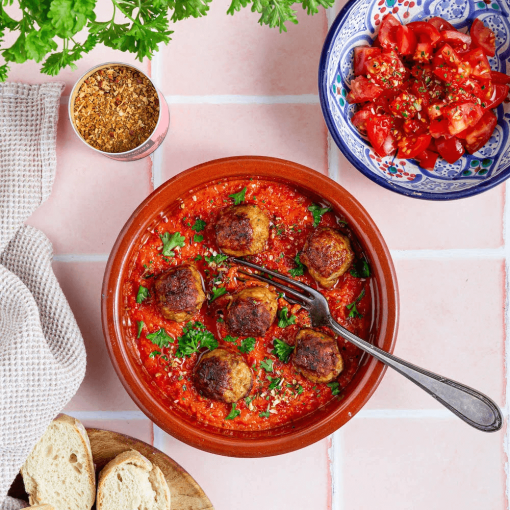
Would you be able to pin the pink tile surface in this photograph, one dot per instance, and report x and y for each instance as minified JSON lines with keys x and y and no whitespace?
{"x":421,"y":465}
{"x":101,"y":389}
{"x":199,"y":133}
{"x":93,"y":196}
{"x":452,"y":323}
{"x":139,"y":429}
{"x":410,"y":224}
{"x":295,"y":481}
{"x":221,"y":54}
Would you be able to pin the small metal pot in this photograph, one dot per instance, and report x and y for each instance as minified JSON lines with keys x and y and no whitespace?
{"x":155,"y":139}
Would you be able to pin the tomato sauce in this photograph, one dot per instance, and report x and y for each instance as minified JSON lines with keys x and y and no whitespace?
{"x":291,"y":223}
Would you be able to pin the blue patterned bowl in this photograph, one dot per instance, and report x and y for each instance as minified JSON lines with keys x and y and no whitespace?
{"x":357,"y":25}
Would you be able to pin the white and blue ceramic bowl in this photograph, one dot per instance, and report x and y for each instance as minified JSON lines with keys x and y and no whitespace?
{"x":357,"y":24}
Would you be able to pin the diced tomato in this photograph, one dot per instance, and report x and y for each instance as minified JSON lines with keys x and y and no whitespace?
{"x":456,"y":39}
{"x":406,"y":40}
{"x":499,"y":95}
{"x":440,"y":24}
{"x":410,"y":146}
{"x":480,"y":65}
{"x":363,"y":90}
{"x":435,"y":110}
{"x":427,"y":159}
{"x":480,"y":134}
{"x":446,"y":74}
{"x":405,"y":105}
{"x":381,"y":105}
{"x":439,"y":128}
{"x":388,"y":32}
{"x":388,"y":71}
{"x":483,"y":37}
{"x":423,"y":52}
{"x":449,"y":55}
{"x":362,"y":54}
{"x":425,"y":32}
{"x":450,"y":149}
{"x":420,"y":90}
{"x":465,"y":90}
{"x":498,"y":77}
{"x":379,"y":134}
{"x":462,"y":115}
{"x":359,"y":120}
{"x":415,"y":127}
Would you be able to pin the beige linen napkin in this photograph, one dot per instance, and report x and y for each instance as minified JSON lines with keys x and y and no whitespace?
{"x":42,"y":355}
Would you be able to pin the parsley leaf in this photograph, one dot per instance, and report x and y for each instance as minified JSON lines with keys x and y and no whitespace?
{"x":197,"y":238}
{"x":299,"y":270}
{"x":199,"y":225}
{"x":317,"y":213}
{"x":352,"y":306}
{"x":216,"y":259}
{"x":300,"y":389}
{"x":232,"y":339}
{"x":170,"y":242}
{"x":361,"y":269}
{"x":234,"y":413}
{"x":198,"y":257}
{"x":217,"y":292}
{"x":282,"y":350}
{"x":160,"y":338}
{"x":248,"y":400}
{"x":247,"y":345}
{"x":140,"y":326}
{"x":284,"y":320}
{"x":267,"y":364}
{"x":153,"y":354}
{"x":238,"y":197}
{"x":194,"y":337}
{"x":142,"y":294}
{"x":335,"y":388}
{"x":266,"y":413}
{"x":275,"y":381}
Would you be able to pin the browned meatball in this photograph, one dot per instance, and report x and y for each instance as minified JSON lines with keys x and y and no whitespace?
{"x":317,"y":356}
{"x":179,"y":293}
{"x":222,"y":375}
{"x":251,"y":312}
{"x":242,"y":230}
{"x":328,"y":255}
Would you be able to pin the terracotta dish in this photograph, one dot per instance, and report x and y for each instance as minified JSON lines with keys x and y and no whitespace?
{"x":121,"y":342}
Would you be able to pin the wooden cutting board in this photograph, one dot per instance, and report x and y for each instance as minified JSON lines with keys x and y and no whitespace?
{"x":106,"y":445}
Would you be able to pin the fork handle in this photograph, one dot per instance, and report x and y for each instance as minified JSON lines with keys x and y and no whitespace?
{"x":469,"y":405}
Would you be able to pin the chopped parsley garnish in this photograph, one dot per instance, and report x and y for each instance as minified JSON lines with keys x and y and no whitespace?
{"x":247,"y":345}
{"x":198,"y":257}
{"x":139,"y":325}
{"x":217,"y":292}
{"x":317,"y":213}
{"x":266,"y":413}
{"x":170,"y":242}
{"x":199,"y":225}
{"x":248,"y":400}
{"x":299,"y":270}
{"x":284,"y":320}
{"x":267,"y":364}
{"x":216,"y":259}
{"x":299,"y":389}
{"x":275,"y":381}
{"x":142,"y":294}
{"x":352,"y":306}
{"x":234,"y":413}
{"x":195,"y":336}
{"x":335,"y":388}
{"x":198,"y":239}
{"x":238,"y":197}
{"x":282,"y":350}
{"x":232,"y":339}
{"x":360,"y":269}
{"x":153,"y":354}
{"x":160,"y":338}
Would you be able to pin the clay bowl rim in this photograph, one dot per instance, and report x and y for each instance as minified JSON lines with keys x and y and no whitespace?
{"x":316,"y":426}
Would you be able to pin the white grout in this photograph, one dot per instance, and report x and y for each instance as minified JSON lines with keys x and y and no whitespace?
{"x":235,"y":99}
{"x":107,"y":415}
{"x":81,"y":257}
{"x":336,"y":465}
{"x":467,"y":253}
{"x":506,"y":237}
{"x":159,"y":438}
{"x":404,"y":413}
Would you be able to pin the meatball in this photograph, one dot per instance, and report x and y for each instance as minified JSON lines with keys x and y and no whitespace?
{"x":251,"y":312}
{"x":223,"y":375}
{"x":328,"y":255}
{"x":316,"y":356}
{"x":179,"y":293}
{"x":242,"y":230}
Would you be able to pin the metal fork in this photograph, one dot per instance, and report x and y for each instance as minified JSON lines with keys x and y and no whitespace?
{"x":469,"y":405}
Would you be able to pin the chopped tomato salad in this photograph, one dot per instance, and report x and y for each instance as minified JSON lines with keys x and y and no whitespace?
{"x":427,"y":90}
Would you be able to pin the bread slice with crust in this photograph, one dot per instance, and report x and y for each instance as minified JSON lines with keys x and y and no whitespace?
{"x":60,"y":470}
{"x":132,"y":482}
{"x":42,"y":507}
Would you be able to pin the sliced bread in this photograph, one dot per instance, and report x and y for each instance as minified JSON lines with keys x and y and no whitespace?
{"x":132,"y":482}
{"x":60,"y":471}
{"x":42,"y":507}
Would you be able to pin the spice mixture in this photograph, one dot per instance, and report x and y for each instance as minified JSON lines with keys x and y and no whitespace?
{"x":116,"y":109}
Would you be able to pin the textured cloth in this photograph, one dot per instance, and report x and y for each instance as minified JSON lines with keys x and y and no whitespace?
{"x":42,"y":355}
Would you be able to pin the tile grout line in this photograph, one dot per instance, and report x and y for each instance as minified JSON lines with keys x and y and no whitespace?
{"x":506,"y":240}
